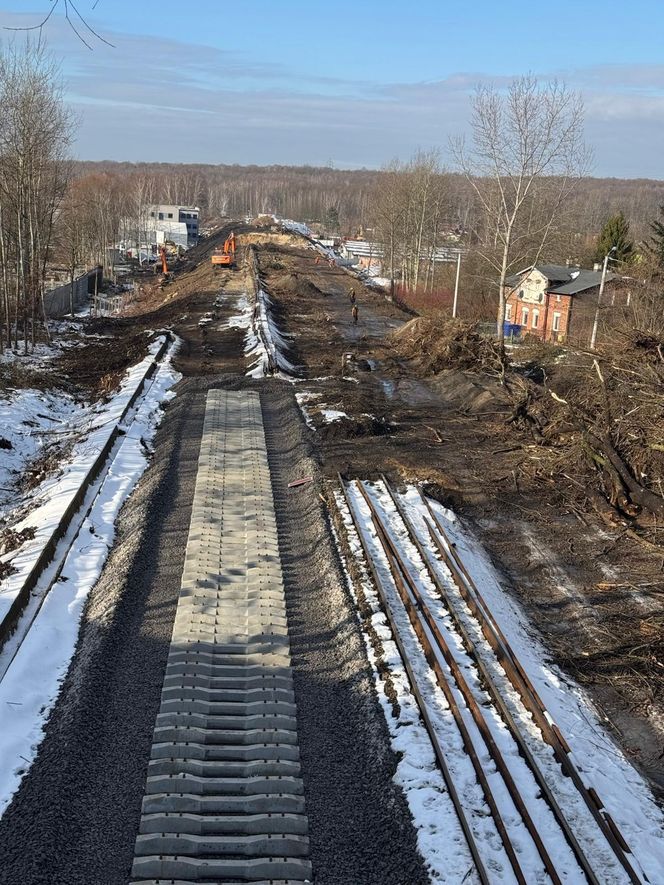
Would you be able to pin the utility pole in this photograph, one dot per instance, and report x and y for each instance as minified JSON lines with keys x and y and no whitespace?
{"x":607,"y":258}
{"x":456,"y":285}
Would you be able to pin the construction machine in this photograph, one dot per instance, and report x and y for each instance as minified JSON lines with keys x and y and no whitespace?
{"x":166,"y":275}
{"x":225,"y":257}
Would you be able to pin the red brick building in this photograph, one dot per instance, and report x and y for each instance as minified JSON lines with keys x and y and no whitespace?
{"x":553,"y":302}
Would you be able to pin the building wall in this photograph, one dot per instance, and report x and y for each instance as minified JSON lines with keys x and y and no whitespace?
{"x":538,"y":317}
{"x":188,"y":215}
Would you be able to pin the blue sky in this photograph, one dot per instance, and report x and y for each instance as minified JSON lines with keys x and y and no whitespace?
{"x":354,"y":83}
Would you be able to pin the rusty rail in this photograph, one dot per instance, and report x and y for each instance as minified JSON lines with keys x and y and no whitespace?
{"x":495,"y":693}
{"x":437,"y":748}
{"x":526,"y":690}
{"x":419,"y":615}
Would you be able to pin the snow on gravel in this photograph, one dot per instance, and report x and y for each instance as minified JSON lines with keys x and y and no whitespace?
{"x":31,"y":682}
{"x":603,"y":766}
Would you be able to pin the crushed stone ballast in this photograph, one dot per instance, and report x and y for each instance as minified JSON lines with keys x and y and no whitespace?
{"x":224,"y":799}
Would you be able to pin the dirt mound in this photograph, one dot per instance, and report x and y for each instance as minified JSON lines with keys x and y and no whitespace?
{"x":351,"y":428}
{"x":438,"y":342}
{"x":98,"y":367}
{"x":293,"y":284}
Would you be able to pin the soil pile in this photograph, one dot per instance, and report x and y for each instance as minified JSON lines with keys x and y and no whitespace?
{"x":438,"y":342}
{"x":294,"y":284}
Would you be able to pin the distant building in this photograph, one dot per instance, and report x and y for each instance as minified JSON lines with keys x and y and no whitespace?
{"x":371,"y":255}
{"x":182,"y":214}
{"x":555,"y":302}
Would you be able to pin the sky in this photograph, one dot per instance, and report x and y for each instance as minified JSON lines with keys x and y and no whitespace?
{"x":349,"y":83}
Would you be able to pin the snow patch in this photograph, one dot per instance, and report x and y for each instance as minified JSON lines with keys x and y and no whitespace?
{"x":32,"y":681}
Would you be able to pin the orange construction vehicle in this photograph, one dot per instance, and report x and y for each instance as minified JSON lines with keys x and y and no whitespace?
{"x":225,"y":257}
{"x":164,"y":262}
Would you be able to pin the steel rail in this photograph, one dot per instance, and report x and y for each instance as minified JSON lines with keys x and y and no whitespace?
{"x":494,"y":692}
{"x":525,"y":688}
{"x":433,"y":737}
{"x":77,"y":513}
{"x":422,"y":611}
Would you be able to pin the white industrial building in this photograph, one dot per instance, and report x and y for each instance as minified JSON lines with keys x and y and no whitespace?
{"x":187,"y":215}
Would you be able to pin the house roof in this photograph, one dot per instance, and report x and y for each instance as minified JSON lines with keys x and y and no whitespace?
{"x":563,"y":280}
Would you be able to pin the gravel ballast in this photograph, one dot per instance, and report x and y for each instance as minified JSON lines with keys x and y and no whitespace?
{"x":75,"y":818}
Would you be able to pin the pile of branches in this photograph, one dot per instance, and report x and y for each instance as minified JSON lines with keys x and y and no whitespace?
{"x":602,"y":415}
{"x":436,"y":342}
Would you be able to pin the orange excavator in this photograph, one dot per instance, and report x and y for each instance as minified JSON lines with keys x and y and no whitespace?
{"x":225,"y":257}
{"x":165,"y":273}
{"x":164,"y":262}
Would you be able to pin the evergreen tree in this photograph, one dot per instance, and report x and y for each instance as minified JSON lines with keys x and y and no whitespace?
{"x":655,"y":244}
{"x":615,"y":235}
{"x":332,"y":220}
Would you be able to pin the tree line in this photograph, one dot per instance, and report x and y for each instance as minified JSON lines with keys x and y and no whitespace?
{"x":517,"y":191}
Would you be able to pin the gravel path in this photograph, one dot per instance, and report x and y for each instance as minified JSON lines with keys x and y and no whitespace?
{"x":359,"y":824}
{"x":75,"y":817}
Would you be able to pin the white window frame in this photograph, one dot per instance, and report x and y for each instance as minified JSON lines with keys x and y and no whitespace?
{"x":508,"y":313}
{"x":534,"y":323}
{"x":555,"y":325}
{"x":524,"y":317}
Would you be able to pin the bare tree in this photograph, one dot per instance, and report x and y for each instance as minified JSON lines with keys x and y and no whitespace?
{"x":409,"y":205}
{"x":525,"y":158}
{"x":35,"y":129}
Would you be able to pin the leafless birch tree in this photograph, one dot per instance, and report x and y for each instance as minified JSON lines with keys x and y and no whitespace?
{"x":35,"y":130}
{"x":524,"y":159}
{"x":409,"y":205}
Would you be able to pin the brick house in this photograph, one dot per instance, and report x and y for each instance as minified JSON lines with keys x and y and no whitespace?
{"x":553,"y":302}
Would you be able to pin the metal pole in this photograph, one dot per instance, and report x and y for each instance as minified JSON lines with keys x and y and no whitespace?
{"x":456,"y":285}
{"x":593,"y":336}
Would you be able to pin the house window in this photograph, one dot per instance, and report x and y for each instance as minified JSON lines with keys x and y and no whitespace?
{"x":521,"y":294}
{"x":161,"y":216}
{"x":524,"y":316}
{"x":535,"y":322}
{"x":151,"y":214}
{"x":170,"y":214}
{"x":556,"y":321}
{"x":508,"y":313}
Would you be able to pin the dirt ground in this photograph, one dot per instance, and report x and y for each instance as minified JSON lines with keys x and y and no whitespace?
{"x":595,"y":596}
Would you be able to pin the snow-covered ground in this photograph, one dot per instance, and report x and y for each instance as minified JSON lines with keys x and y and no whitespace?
{"x":34,"y":670}
{"x":603,"y":767}
{"x":31,"y":421}
{"x":264,"y":343}
{"x":330,"y":415}
{"x":302,"y":399}
{"x":49,"y":501}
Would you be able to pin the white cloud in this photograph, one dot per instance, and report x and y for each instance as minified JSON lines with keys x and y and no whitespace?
{"x":158,"y":99}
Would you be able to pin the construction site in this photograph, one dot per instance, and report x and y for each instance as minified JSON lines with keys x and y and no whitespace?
{"x":304,"y":587}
